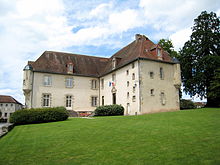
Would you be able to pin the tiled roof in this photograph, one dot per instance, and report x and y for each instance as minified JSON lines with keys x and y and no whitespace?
{"x":8,"y":99}
{"x":56,"y":62}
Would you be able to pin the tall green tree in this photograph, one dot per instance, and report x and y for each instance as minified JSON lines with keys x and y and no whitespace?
{"x":167,"y":45}
{"x":200,"y":57}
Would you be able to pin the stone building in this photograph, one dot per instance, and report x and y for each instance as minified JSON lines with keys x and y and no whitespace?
{"x":8,"y":105}
{"x":142,"y":77}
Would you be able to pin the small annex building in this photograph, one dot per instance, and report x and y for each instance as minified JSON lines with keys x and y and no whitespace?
{"x":8,"y":105}
{"x":142,"y":77}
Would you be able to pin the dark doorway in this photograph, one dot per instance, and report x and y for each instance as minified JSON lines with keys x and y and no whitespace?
{"x":103,"y":101}
{"x":114,"y":98}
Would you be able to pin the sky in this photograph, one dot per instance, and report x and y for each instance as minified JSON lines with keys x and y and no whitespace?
{"x":91,"y":27}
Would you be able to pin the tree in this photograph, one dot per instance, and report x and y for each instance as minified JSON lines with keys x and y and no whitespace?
{"x":199,"y":58}
{"x":215,"y":87}
{"x":167,"y":45}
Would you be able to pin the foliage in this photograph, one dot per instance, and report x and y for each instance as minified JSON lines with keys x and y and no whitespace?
{"x":181,"y":137}
{"x":200,"y":56}
{"x":186,"y":104}
{"x":167,"y":45}
{"x":0,"y":114}
{"x":109,"y":110}
{"x":215,"y":87}
{"x":39,"y":115}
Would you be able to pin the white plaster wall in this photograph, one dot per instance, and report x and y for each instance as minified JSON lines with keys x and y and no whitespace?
{"x":10,"y":108}
{"x":122,"y":89}
{"x":150,"y":104}
{"x":81,"y":91}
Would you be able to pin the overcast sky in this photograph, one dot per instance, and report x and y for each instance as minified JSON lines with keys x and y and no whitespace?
{"x":92,"y":27}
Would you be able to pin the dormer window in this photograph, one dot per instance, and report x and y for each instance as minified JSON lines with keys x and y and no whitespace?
{"x":113,"y":63}
{"x":70,"y":68}
{"x":159,"y":53}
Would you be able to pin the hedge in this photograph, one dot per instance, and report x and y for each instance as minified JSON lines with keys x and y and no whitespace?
{"x":109,"y":110}
{"x":38,"y":115}
{"x":186,"y":104}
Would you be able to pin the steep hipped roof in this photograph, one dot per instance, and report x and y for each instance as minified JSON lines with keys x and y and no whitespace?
{"x":56,"y":62}
{"x":8,"y":99}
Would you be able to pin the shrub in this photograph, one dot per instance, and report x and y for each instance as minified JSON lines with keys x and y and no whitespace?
{"x":187,"y":104}
{"x":39,"y":115}
{"x":109,"y":110}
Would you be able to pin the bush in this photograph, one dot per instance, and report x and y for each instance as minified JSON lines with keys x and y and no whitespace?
{"x":109,"y":110}
{"x":187,"y":104}
{"x":39,"y":115}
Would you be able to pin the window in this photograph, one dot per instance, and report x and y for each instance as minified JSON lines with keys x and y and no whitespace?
{"x":46,"y":100}
{"x":103,"y":100}
{"x":94,"y":84}
{"x":113,"y":98}
{"x":94,"y":101}
{"x":128,"y":95}
{"x":162,"y":98}
{"x":70,"y":68}
{"x":68,"y":101}
{"x":127,"y":83}
{"x":152,"y":92}
{"x":11,"y":105}
{"x":159,"y":52}
{"x":47,"y":80}
{"x":113,"y":63}
{"x":69,"y":82}
{"x":102,"y":83}
{"x":134,"y":89}
{"x":1,"y":105}
{"x":161,"y":73}
{"x":151,"y":75}
{"x":6,"y":105}
{"x":127,"y":72}
{"x":134,"y":98}
{"x":113,"y":77}
{"x":133,"y":65}
{"x":133,"y":76}
{"x":6,"y":114}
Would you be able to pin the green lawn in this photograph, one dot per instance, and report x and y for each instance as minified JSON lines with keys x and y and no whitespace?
{"x":183,"y":137}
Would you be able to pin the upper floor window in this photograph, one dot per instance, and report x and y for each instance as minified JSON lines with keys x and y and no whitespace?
{"x":1,"y":105}
{"x":68,"y":101}
{"x":69,"y":82}
{"x":6,"y":105}
{"x":151,"y":75}
{"x":70,"y":68}
{"x":127,"y":83}
{"x":94,"y":101}
{"x":94,"y":84}
{"x":133,"y":89}
{"x":128,"y":95}
{"x":159,"y":52}
{"x":133,"y":65}
{"x":46,"y":102}
{"x":113,"y":77}
{"x":133,"y":76}
{"x":127,"y":72}
{"x":152,"y":92}
{"x":133,"y":98}
{"x":161,"y":73}
{"x":11,"y":105}
{"x":102,"y":83}
{"x":47,"y":80}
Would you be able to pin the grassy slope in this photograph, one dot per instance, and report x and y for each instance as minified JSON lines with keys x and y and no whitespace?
{"x":183,"y":137}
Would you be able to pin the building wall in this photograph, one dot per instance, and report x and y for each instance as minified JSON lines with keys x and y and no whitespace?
{"x":8,"y":108}
{"x":169,"y":85}
{"x":122,"y":89}
{"x":81,"y":91}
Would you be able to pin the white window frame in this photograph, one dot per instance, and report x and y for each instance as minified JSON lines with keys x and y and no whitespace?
{"x":46,"y":100}
{"x":94,"y":84}
{"x":94,"y":101}
{"x":69,"y":82}
{"x":69,"y":101}
{"x":47,"y":81}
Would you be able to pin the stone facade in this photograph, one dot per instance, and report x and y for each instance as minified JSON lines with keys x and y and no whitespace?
{"x":141,"y":77}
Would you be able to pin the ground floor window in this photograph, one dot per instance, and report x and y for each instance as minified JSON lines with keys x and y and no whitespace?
{"x":68,"y":101}
{"x":162,"y":98}
{"x":6,"y":114}
{"x":94,"y":101}
{"x":103,"y":100}
{"x":46,"y":100}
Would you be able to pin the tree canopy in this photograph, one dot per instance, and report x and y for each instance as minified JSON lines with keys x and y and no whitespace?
{"x":167,"y":45}
{"x":200,"y":57}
